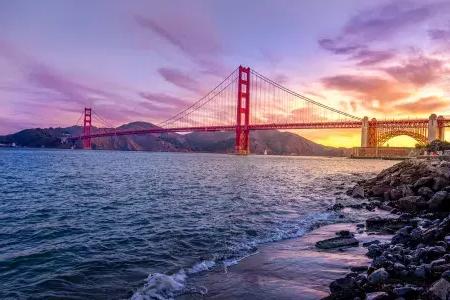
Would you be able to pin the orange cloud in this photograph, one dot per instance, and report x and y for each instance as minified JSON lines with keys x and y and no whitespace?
{"x":424,"y":105}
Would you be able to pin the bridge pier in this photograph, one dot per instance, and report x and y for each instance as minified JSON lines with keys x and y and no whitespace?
{"x":432,"y":128}
{"x":364,"y":132}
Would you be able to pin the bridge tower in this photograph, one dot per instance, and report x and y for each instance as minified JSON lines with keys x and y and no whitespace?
{"x":441,"y":128}
{"x":87,"y":124}
{"x":372,"y":133}
{"x":243,"y":112}
{"x":432,"y":128}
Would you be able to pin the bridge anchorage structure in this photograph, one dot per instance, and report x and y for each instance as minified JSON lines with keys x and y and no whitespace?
{"x":247,"y":101}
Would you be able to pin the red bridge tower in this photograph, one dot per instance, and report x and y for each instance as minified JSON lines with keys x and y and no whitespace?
{"x":243,"y":112}
{"x":87,"y":128}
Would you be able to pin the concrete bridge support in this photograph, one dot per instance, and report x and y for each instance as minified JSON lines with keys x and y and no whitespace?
{"x":432,"y":128}
{"x":365,"y":132}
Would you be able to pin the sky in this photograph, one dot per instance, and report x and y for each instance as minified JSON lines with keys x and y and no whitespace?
{"x":383,"y":59}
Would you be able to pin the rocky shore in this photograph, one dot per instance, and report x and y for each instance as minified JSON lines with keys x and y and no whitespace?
{"x":415,"y":264}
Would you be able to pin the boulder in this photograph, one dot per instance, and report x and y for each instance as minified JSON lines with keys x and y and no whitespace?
{"x":380,"y":189}
{"x":358,"y":192}
{"x":411,"y":204}
{"x":359,"y":269}
{"x":438,"y":200}
{"x":345,"y":288}
{"x":424,"y":181}
{"x":345,"y":233}
{"x":395,"y":194}
{"x":407,"y":292}
{"x":378,"y":276}
{"x":425,"y":192}
{"x":440,"y":289}
{"x":421,"y":272}
{"x":337,"y":242}
{"x":439,"y":183}
{"x":388,"y":224}
{"x":378,"y":296}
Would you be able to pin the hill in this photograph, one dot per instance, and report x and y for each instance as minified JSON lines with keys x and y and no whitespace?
{"x":272,"y":141}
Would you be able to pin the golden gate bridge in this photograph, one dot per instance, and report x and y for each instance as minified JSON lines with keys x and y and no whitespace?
{"x":246,"y":101}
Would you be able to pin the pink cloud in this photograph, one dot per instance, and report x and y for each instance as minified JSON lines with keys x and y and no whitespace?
{"x":367,"y":87}
{"x":180,"y":79}
{"x":193,"y":36}
{"x":159,"y":100}
{"x":418,"y":71}
{"x":424,"y":105}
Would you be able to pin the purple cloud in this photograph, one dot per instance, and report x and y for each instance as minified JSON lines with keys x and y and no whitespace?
{"x":381,"y":22}
{"x":366,"y":57}
{"x":418,"y":71}
{"x":180,"y":79}
{"x":159,"y":100}
{"x":196,"y":40}
{"x":439,"y":34}
{"x":337,"y":48}
{"x":387,"y":20}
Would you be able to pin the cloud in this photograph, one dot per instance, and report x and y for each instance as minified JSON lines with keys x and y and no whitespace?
{"x":368,"y":88}
{"x":191,"y":35}
{"x":418,"y":71}
{"x":439,"y":34}
{"x":161,"y":101}
{"x":366,"y":57}
{"x":379,"y":24}
{"x":424,"y":105}
{"x":337,"y":47}
{"x":388,"y":19}
{"x":180,"y":79}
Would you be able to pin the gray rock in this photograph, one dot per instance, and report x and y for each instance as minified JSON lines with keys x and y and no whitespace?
{"x":377,"y":296}
{"x":411,"y":204}
{"x":345,"y":233}
{"x":424,"y":181}
{"x":440,"y":289}
{"x":420,"y":272}
{"x":345,"y":288}
{"x":406,"y":291}
{"x":425,"y":192}
{"x":438,"y":262}
{"x":439,"y":183}
{"x":446,"y":275}
{"x":337,"y":242}
{"x":395,"y":194}
{"x":359,"y":269}
{"x":387,"y":224}
{"x":437,"y":201}
{"x":374,"y":242}
{"x":374,"y":251}
{"x":378,"y":276}
{"x":358,"y":192}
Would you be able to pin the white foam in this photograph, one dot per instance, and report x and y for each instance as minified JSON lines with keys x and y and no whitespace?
{"x":202,"y":266}
{"x":165,"y":287}
{"x":162,"y":287}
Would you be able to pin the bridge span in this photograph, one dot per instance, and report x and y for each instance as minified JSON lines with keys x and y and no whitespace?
{"x":246,"y":101}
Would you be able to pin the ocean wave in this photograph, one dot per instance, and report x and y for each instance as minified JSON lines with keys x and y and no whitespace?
{"x":166,"y":287}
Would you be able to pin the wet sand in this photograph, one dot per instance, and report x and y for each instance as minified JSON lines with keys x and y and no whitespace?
{"x":291,"y":269}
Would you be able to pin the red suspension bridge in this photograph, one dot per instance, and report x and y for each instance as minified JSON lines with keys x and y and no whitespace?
{"x":246,"y":100}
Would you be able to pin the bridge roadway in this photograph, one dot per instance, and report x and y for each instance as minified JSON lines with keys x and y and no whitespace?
{"x":306,"y":125}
